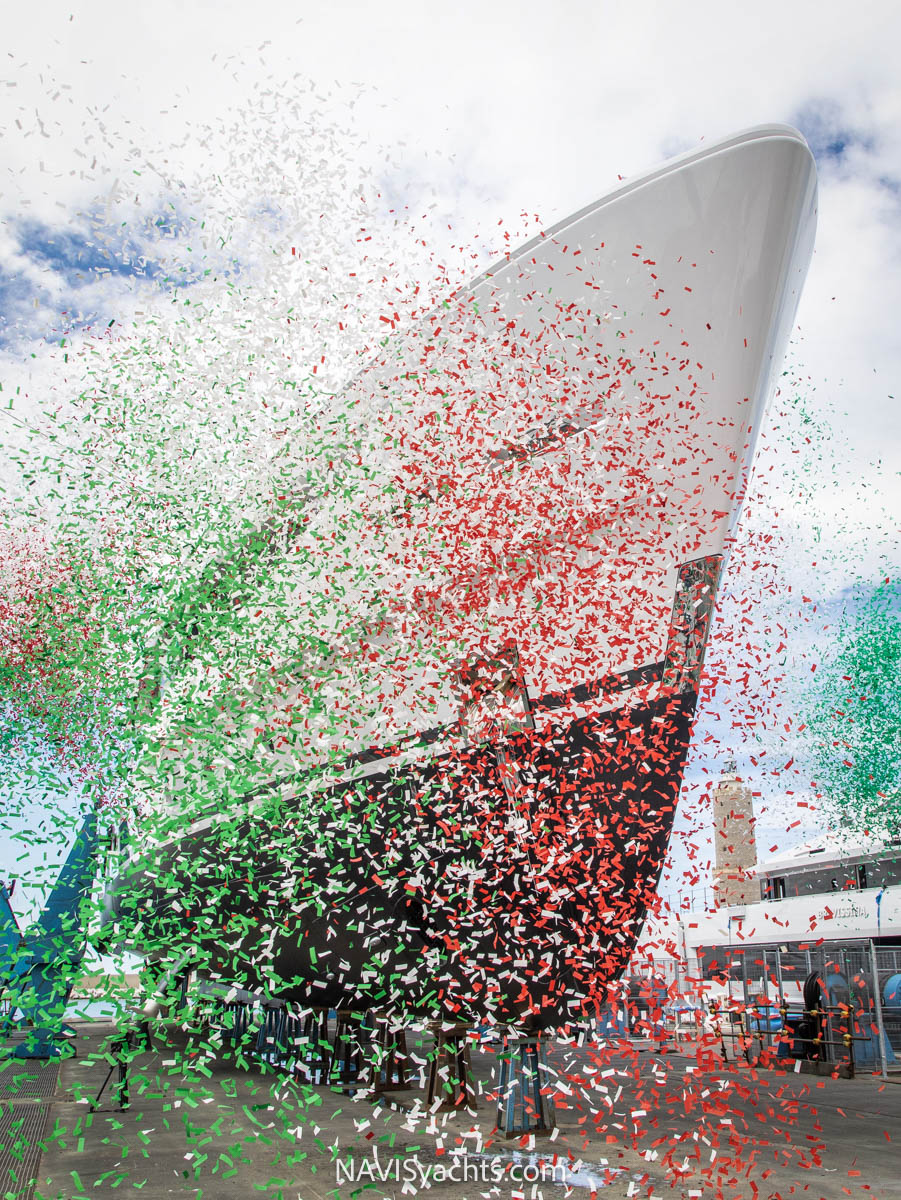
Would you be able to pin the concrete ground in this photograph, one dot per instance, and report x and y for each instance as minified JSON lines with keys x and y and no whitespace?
{"x":629,"y":1122}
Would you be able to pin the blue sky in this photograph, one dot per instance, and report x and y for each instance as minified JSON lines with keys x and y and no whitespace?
{"x":128,"y":173}
{"x":59,"y":267}
{"x":88,"y":270}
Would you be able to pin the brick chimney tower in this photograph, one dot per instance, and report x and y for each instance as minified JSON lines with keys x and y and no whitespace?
{"x":734,"y":841}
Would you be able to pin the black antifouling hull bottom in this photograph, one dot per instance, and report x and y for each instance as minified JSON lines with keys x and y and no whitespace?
{"x":505,"y":885}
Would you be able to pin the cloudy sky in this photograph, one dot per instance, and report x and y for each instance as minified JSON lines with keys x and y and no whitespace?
{"x":488,"y":110}
{"x":116,"y":120}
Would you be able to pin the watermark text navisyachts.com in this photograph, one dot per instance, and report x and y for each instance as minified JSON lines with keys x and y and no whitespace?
{"x":457,"y":1168}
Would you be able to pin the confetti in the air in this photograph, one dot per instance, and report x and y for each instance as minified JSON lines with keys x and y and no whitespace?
{"x":359,"y":614}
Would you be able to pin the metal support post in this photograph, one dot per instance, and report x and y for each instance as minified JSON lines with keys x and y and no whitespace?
{"x":746,"y":1022}
{"x":783,"y":1032}
{"x":877,"y":994}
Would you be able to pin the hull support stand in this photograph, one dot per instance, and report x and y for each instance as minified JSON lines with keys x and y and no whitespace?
{"x":450,"y":1085}
{"x":347,"y":1070}
{"x":314,"y":1059}
{"x":389,"y":1057}
{"x":522,"y":1092}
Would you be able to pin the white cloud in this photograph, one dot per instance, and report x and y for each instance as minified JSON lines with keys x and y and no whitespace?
{"x":487,"y":111}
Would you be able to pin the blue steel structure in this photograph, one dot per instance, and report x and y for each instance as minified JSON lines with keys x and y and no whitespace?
{"x":38,"y":968}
